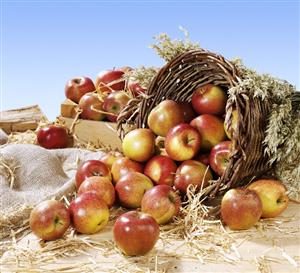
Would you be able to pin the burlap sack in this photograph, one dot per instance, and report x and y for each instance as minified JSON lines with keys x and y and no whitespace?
{"x":30,"y":174}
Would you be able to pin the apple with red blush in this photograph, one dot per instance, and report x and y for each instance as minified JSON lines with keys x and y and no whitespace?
{"x":110,"y":157}
{"x":91,"y":106}
{"x":108,"y":81}
{"x":188,"y":112}
{"x":220,"y":156}
{"x":53,"y":137}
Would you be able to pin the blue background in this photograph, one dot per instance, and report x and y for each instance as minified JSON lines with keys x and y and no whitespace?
{"x":45,"y":43}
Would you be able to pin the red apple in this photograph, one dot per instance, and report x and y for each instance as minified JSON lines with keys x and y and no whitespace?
{"x":233,"y":126}
{"x":91,"y":168}
{"x":109,"y":158}
{"x":91,"y":106}
{"x":102,"y":186}
{"x":219,"y":157}
{"x":139,"y":144}
{"x":110,"y":80}
{"x":77,"y":87}
{"x":89,"y":213}
{"x":162,"y":203}
{"x":188,"y":111}
{"x":135,"y":88}
{"x":203,"y":158}
{"x":209,"y":99}
{"x":135,"y":233}
{"x":165,"y":116}
{"x":211,"y":129}
{"x":240,"y":208}
{"x":161,"y":169}
{"x":182,"y":142}
{"x":49,"y":220}
{"x":192,"y":172}
{"x":131,"y":188}
{"x":114,"y":103}
{"x":272,"y":194}
{"x":123,"y":165}
{"x":53,"y":137}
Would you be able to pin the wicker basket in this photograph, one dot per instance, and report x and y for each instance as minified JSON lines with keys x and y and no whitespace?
{"x":178,"y":79}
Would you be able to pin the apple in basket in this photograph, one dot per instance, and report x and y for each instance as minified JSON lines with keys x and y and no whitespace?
{"x":89,"y":213}
{"x":162,"y":203}
{"x":91,"y":106}
{"x":203,"y":158}
{"x":182,"y":142}
{"x":77,"y":87}
{"x":110,"y":157}
{"x":131,"y":188}
{"x":165,"y":116}
{"x":138,"y":144}
{"x":192,"y":172}
{"x":272,"y":194}
{"x":114,"y":103}
{"x":53,"y":137}
{"x":49,"y":220}
{"x":211,"y":129}
{"x":89,"y":168}
{"x":240,"y":208}
{"x":109,"y":81}
{"x":135,"y":88}
{"x":135,"y":233}
{"x":102,"y":186}
{"x":188,"y":112}
{"x":209,"y":99}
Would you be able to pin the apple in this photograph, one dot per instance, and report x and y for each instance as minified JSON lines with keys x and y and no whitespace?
{"x":164,"y":116}
{"x":182,"y":142}
{"x":234,"y":125}
{"x":49,"y":220}
{"x":109,"y":158}
{"x":53,"y":137}
{"x":192,"y":172}
{"x":161,"y":169}
{"x":123,"y":165}
{"x":219,"y":157}
{"x":102,"y":186}
{"x":135,"y":233}
{"x":138,"y":144}
{"x":135,"y":88}
{"x":272,"y":194}
{"x":114,"y":103}
{"x":89,"y":213}
{"x":131,"y":188}
{"x":110,"y":80}
{"x":209,"y":99}
{"x":162,"y":203}
{"x":188,"y":112}
{"x":240,"y":208}
{"x":91,"y":106}
{"x":90,"y":168}
{"x":211,"y":129}
{"x":77,"y":87}
{"x":203,"y":158}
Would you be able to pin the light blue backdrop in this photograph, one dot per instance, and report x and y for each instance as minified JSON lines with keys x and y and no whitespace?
{"x":44,"y":43}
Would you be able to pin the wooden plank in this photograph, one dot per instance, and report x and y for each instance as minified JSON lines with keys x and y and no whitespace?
{"x":68,"y":109}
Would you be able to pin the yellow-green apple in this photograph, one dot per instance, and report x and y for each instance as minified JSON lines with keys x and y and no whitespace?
{"x":139,"y":144}
{"x":123,"y":165}
{"x":131,"y":188}
{"x":192,"y":172}
{"x":53,"y":137}
{"x":90,"y":168}
{"x":110,"y":157}
{"x":219,"y":157}
{"x":89,"y":213}
{"x":162,"y":203}
{"x":182,"y":142}
{"x":135,"y":233}
{"x":209,"y":99}
{"x":272,"y":194}
{"x":211,"y":129}
{"x":165,"y":116}
{"x":203,"y":158}
{"x":188,"y":112}
{"x":233,"y":126}
{"x":109,"y":81}
{"x":161,"y":169}
{"x":240,"y":208}
{"x":49,"y":220}
{"x":102,"y":186}
{"x":77,"y":87}
{"x":114,"y":103}
{"x":91,"y":106}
